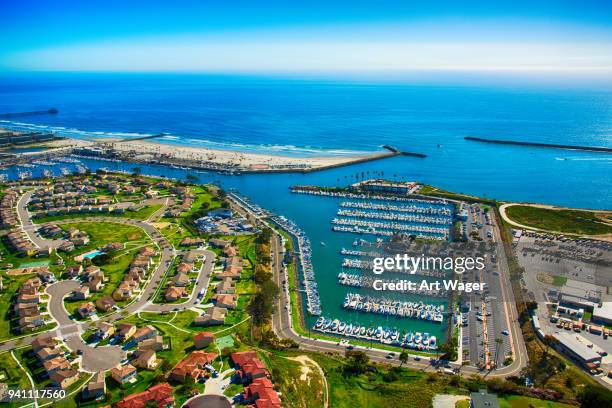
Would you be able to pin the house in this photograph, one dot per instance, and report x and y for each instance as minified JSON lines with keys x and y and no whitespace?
{"x":242,"y":357}
{"x":214,"y":316}
{"x":73,"y":271}
{"x":146,"y":359}
{"x":145,"y":333}
{"x":105,"y":303}
{"x":232,"y":271}
{"x":123,"y":292}
{"x":219,"y":243}
{"x":47,"y":353}
{"x":482,"y":399}
{"x":192,"y":366}
{"x":192,"y":241}
{"x":203,"y":339}
{"x":95,"y":284}
{"x":43,"y":341}
{"x":55,"y":364}
{"x":184,"y":267}
{"x":105,"y":330}
{"x":125,"y":331}
{"x":174,"y":293}
{"x":226,"y":287}
{"x":225,"y":301}
{"x":86,"y":309}
{"x":64,"y":378}
{"x":81,"y":293}
{"x":159,"y":395}
{"x":181,"y":280}
{"x":230,"y":251}
{"x":123,"y":374}
{"x":261,"y":392}
{"x":252,"y":370}
{"x":95,"y":388}
{"x":156,"y":343}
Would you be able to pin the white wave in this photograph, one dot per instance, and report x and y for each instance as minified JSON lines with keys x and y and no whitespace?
{"x":262,"y":148}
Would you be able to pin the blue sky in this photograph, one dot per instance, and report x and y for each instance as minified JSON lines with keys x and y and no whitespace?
{"x":389,"y":37}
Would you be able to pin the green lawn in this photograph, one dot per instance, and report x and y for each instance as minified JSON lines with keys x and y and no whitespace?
{"x":13,"y":376}
{"x":559,"y":280}
{"x":517,"y":401}
{"x":564,"y":221}
{"x":101,"y":233}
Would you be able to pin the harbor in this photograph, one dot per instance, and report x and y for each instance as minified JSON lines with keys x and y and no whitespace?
{"x":390,"y":307}
{"x":422,"y":341}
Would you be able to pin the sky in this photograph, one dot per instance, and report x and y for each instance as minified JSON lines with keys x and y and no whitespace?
{"x":541,"y":38}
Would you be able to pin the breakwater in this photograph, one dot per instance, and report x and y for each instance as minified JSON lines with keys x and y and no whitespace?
{"x":544,"y":145}
{"x":52,"y":111}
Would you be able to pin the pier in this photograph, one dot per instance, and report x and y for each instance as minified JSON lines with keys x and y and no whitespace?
{"x":544,"y":145}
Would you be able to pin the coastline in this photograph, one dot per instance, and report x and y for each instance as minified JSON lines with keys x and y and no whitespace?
{"x":202,"y":158}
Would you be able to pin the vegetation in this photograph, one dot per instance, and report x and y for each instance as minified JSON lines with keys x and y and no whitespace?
{"x":582,"y":222}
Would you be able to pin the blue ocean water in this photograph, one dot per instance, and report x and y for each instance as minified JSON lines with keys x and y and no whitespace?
{"x":305,"y":117}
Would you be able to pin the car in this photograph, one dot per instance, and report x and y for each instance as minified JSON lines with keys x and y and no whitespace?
{"x":505,"y":332}
{"x":417,"y":358}
{"x":79,"y":352}
{"x":389,"y":357}
{"x":349,"y":347}
{"x":392,"y":354}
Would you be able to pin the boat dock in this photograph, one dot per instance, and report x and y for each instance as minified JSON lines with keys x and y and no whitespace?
{"x":416,"y":341}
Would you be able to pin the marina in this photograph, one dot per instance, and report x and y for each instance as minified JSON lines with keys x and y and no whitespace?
{"x":397,"y":308}
{"x":304,"y":253}
{"x":361,"y":281}
{"x":385,"y":335}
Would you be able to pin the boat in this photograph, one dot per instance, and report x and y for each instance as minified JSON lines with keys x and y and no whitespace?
{"x":322,"y":243}
{"x":433,"y":342}
{"x":334,"y":325}
{"x":319,"y":322}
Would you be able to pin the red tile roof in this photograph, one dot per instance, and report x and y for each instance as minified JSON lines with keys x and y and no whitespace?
{"x":193,"y":364}
{"x":160,"y":393}
{"x":262,"y":390}
{"x":204,"y":335}
{"x":243,"y":357}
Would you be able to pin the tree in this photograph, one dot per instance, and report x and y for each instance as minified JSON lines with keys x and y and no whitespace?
{"x":357,"y":362}
{"x":403,"y":357}
{"x":191,"y":179}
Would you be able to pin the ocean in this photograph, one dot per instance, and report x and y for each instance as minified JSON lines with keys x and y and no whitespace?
{"x":307,"y":117}
{"x":300,"y":117}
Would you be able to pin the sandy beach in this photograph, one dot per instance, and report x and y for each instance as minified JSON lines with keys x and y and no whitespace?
{"x":244,"y":160}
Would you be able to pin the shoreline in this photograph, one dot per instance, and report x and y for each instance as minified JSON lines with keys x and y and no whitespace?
{"x":146,"y":151}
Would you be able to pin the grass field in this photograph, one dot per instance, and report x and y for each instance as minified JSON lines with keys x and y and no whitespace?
{"x":564,"y":221}
{"x":518,"y":401}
